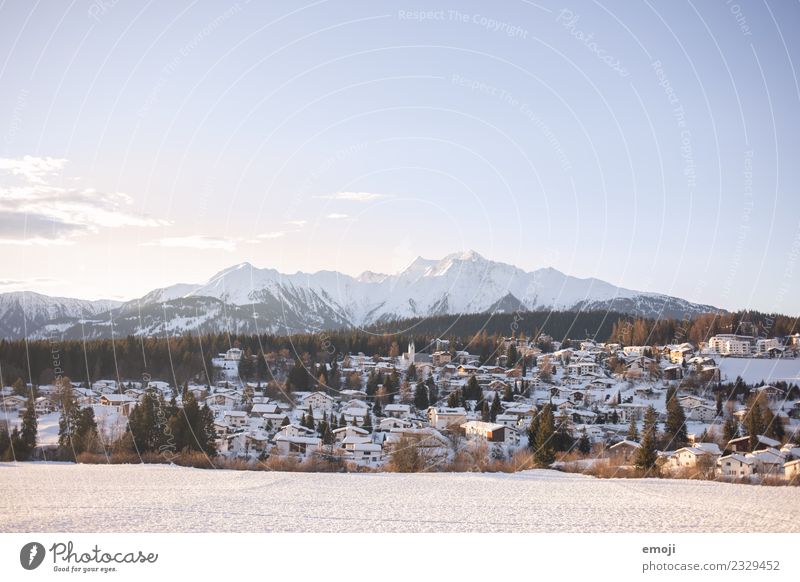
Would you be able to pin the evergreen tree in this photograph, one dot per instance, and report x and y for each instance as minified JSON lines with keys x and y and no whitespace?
{"x":730,"y":429}
{"x":367,"y":422}
{"x":376,"y":408}
{"x":27,"y":442}
{"x":454,"y":399}
{"x":486,"y":414}
{"x":675,"y":427}
{"x":298,"y":378}
{"x":544,"y":451}
{"x":508,"y":394}
{"x":584,"y":445}
{"x":511,"y":355}
{"x":647,"y":455}
{"x":719,"y":402}
{"x":633,"y":430}
{"x":562,"y":438}
{"x":495,"y":409}
{"x":754,"y":424}
{"x":5,"y":444}
{"x":473,"y":390}
{"x":421,"y":401}
{"x":411,"y":373}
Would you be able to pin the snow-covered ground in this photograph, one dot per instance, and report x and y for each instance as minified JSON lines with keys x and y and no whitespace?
{"x":754,"y":370}
{"x":48,"y":497}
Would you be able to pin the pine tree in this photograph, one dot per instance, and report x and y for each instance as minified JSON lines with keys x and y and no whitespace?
{"x":730,"y":429}
{"x":508,"y":394}
{"x":421,"y":401}
{"x":473,"y":391}
{"x":544,"y":452}
{"x":5,"y":444}
{"x":376,"y":408}
{"x":675,"y":427}
{"x":367,"y":422}
{"x":647,"y":455}
{"x":584,"y":445}
{"x":754,"y":424}
{"x":486,"y":414}
{"x":495,"y":409}
{"x":411,"y":373}
{"x":28,"y":431}
{"x":633,"y":430}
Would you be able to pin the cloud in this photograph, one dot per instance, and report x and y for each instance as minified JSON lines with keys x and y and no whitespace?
{"x":336,"y":216}
{"x":32,"y":169}
{"x":354,"y":196}
{"x":271,"y":235}
{"x":297,"y":223}
{"x":36,"y":212}
{"x":195,"y":241}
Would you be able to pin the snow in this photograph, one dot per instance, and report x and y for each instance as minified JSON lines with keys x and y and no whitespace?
{"x":47,"y":497}
{"x":754,"y":370}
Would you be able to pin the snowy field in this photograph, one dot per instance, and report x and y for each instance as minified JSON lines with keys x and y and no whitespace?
{"x":754,"y":370}
{"x":53,"y":497}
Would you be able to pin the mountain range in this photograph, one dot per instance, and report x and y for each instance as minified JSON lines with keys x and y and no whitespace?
{"x":247,"y":299}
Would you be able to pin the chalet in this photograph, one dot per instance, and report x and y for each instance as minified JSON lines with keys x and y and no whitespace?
{"x":397,"y":410}
{"x":490,"y":432}
{"x":366,"y":454}
{"x":442,"y":418}
{"x":700,"y":456}
{"x":318,"y":401}
{"x":768,"y":461}
{"x":623,"y":452}
{"x":296,"y":446}
{"x":791,"y":470}
{"x":235,"y":418}
{"x":389,"y":423}
{"x":124,"y":404}
{"x":742,"y":444}
{"x":340,"y":434}
{"x":735,"y":466}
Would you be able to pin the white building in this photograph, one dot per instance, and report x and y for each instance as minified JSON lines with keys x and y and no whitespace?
{"x":728,"y":344}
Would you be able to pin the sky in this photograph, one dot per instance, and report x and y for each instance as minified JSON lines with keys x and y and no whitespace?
{"x":653,"y":145}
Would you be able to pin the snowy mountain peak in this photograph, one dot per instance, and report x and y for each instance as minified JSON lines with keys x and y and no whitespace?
{"x":462,"y":282}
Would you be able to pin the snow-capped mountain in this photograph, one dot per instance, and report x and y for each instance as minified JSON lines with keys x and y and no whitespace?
{"x":25,"y":313}
{"x":247,"y":299}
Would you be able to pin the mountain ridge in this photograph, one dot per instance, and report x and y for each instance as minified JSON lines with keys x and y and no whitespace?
{"x":248,"y":299}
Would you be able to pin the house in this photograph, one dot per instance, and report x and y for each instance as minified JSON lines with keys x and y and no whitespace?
{"x":623,"y":452}
{"x":318,"y":401}
{"x":296,"y":430}
{"x":235,"y":418}
{"x":764,"y":345}
{"x":791,"y":470}
{"x":287,"y":445}
{"x":768,"y":461}
{"x":702,"y":456}
{"x":442,"y":418}
{"x":366,"y":454}
{"x":225,"y":399}
{"x":771,"y":392}
{"x":735,"y":466}
{"x":389,"y":423}
{"x":340,"y":434}
{"x":728,"y":344}
{"x":490,"y":432}
{"x":397,"y":410}
{"x":123,"y":403}
{"x":43,"y":405}
{"x":742,"y":444}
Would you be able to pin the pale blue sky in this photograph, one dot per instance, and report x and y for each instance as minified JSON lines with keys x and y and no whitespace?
{"x":653,"y":145}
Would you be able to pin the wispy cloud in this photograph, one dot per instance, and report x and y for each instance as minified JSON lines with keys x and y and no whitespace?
{"x":354,"y":196}
{"x":297,"y":223}
{"x":195,"y":241}
{"x":271,"y":235}
{"x":34,"y":170}
{"x":336,"y":216}
{"x":34,"y":211}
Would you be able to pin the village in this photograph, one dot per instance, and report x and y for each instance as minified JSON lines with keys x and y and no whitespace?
{"x":441,"y":402}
